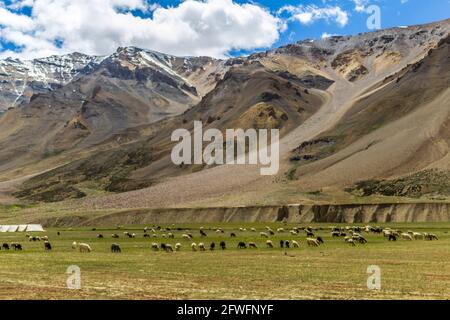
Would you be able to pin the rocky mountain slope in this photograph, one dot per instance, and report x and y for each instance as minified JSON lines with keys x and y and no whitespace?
{"x":371,"y":107}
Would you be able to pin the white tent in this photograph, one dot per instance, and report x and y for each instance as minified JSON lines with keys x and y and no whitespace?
{"x":22,"y":228}
{"x":13,"y":228}
{"x":34,"y":228}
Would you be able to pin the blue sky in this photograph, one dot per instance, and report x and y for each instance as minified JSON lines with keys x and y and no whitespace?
{"x":220,"y":28}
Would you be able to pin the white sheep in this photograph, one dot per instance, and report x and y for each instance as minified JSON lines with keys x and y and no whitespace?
{"x":84,"y":247}
{"x":418,"y":236}
{"x":280,"y":230}
{"x":295,"y":244}
{"x":194,"y":246}
{"x":178,"y":246}
{"x":185,"y":236}
{"x":155,"y":246}
{"x":253,"y":229}
{"x":269,"y":244}
{"x":74,"y":245}
{"x":252,"y":245}
{"x":406,"y":236}
{"x":201,"y":246}
{"x":264,"y":234}
{"x":312,"y":242}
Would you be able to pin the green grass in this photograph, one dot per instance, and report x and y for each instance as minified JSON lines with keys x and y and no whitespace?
{"x":409,"y":270}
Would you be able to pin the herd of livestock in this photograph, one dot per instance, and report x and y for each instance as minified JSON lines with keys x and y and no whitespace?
{"x":352,"y":235}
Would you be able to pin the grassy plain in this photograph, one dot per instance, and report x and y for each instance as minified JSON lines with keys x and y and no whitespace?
{"x":409,"y":269}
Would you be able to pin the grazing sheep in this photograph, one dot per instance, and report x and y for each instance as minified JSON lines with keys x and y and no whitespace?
{"x":58,"y":233}
{"x":47,"y":246}
{"x":74,"y":245}
{"x":252,"y":245}
{"x":169,"y":248}
{"x":162,"y":246}
{"x":233,"y":235}
{"x":16,"y":246}
{"x":430,"y":236}
{"x":406,"y":236}
{"x":294,"y":232}
{"x":155,"y":246}
{"x":282,"y":244}
{"x":418,"y":236}
{"x":242,"y":245}
{"x":280,"y":230}
{"x":170,"y":235}
{"x":271,"y":232}
{"x":253,"y":229}
{"x":295,"y":244}
{"x":5,"y":246}
{"x":115,"y":236}
{"x":320,"y":240}
{"x":309,"y":234}
{"x":242,"y":229}
{"x":392,"y":237}
{"x":219,"y":230}
{"x":351,"y":242}
{"x":100,"y":236}
{"x":264,"y":234}
{"x":223,"y":245}
{"x":84,"y":247}
{"x":269,"y":244}
{"x":178,"y":247}
{"x":186,"y":236}
{"x":212,"y":246}
{"x":203,"y":233}
{"x":44,"y":238}
{"x":146,"y":235}
{"x":287,"y":244}
{"x":311,"y":242}
{"x":194,"y":246}
{"x":115,"y":248}
{"x":335,"y":234}
{"x":201,"y":246}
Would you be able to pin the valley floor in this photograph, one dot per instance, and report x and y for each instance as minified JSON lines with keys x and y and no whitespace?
{"x":409,"y":269}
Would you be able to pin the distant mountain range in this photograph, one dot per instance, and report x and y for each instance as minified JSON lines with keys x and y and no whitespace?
{"x":360,"y":116}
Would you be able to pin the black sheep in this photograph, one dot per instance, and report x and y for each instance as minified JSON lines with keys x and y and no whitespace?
{"x":203,"y":233}
{"x":233,"y":235}
{"x":223,"y":245}
{"x":242,"y":245}
{"x":212,"y":246}
{"x":320,"y":240}
{"x":47,"y":246}
{"x":115,"y":248}
{"x":282,"y":243}
{"x":5,"y":246}
{"x":392,"y":237}
{"x":287,"y":244}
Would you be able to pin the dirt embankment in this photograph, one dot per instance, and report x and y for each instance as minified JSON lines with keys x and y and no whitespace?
{"x":354,"y":213}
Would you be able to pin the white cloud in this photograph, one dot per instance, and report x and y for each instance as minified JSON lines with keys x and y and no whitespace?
{"x":209,"y":27}
{"x":360,"y":5}
{"x":311,"y":13}
{"x":327,"y":35}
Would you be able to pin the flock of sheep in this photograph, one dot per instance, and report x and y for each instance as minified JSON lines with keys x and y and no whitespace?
{"x":351,"y":235}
